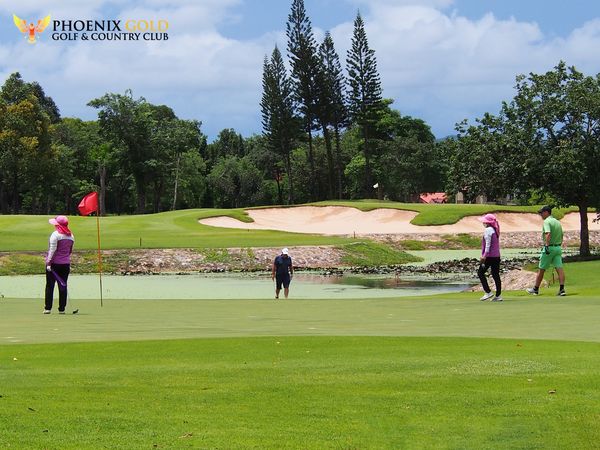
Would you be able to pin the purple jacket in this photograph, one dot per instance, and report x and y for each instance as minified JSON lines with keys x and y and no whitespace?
{"x":490,"y":244}
{"x":60,"y":247}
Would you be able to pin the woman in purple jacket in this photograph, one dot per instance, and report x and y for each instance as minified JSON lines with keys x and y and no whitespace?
{"x":490,"y":257}
{"x":58,"y":263}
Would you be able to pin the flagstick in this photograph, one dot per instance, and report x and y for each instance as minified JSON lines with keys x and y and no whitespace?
{"x":99,"y":254}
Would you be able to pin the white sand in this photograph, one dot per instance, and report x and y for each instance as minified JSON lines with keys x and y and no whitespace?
{"x":340,"y":220}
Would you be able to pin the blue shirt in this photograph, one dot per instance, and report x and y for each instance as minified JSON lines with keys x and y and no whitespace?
{"x":282,"y":265}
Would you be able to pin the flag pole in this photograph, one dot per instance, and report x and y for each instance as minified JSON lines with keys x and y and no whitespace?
{"x":99,"y":254}
{"x":87,"y":206}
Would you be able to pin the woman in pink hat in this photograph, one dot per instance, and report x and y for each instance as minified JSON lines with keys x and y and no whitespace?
{"x":58,"y":263}
{"x":490,"y":257}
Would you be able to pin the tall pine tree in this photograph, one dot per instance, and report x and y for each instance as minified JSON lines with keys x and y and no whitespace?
{"x":364,"y":93}
{"x":332,"y":103}
{"x":302,"y":51}
{"x":278,"y":120}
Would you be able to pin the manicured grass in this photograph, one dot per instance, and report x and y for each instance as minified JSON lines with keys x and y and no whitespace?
{"x":307,"y":374}
{"x":582,"y":277}
{"x":574,"y":317}
{"x":301,"y":392}
{"x":374,"y":254}
{"x":440,"y":214}
{"x":178,"y":229}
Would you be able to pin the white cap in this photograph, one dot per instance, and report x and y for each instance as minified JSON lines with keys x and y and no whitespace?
{"x":285,"y":251}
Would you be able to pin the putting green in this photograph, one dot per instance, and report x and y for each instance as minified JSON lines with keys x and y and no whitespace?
{"x":519,"y":316}
{"x":461,"y":314}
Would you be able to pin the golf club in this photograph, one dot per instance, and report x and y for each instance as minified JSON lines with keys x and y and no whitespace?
{"x":70,"y":302}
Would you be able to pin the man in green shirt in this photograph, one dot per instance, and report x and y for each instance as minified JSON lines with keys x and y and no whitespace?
{"x":552,"y":237}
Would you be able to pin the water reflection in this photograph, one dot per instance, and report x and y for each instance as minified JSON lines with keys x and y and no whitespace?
{"x":446,"y":284}
{"x":238,"y":286}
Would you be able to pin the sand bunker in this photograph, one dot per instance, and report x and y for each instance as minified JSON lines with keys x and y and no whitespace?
{"x":339,"y":220}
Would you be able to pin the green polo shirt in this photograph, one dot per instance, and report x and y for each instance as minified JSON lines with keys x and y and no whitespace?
{"x":552,"y":226}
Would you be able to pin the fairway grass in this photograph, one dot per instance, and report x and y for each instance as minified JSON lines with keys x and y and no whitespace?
{"x":441,"y":372}
{"x":176,"y":229}
{"x":302,"y":392}
{"x":181,"y":229}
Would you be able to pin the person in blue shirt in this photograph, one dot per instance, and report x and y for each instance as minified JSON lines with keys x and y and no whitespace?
{"x":282,"y":273}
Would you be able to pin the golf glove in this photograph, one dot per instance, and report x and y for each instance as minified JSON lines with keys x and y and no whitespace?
{"x":48,"y":268}
{"x":546,"y":250}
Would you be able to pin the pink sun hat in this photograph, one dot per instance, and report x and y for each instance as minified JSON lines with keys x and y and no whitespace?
{"x":62,"y":224}
{"x":490,"y":219}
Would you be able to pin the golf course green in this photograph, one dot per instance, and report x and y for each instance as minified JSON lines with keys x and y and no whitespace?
{"x":180,"y":229}
{"x":170,"y":362}
{"x":443,"y":371}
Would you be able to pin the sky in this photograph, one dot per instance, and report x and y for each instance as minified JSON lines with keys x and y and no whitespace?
{"x":440,"y":60}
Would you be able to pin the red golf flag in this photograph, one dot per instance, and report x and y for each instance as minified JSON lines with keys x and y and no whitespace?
{"x":89,"y":204}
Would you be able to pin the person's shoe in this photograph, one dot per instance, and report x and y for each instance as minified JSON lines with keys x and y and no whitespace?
{"x":532,"y":291}
{"x":486,"y":296}
{"x":61,"y":312}
{"x":497,"y":298}
{"x":561,"y":293}
{"x":47,"y":311}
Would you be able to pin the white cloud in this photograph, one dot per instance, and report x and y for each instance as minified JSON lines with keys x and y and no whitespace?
{"x":83,"y":8}
{"x":64,"y":9}
{"x":444,"y":67}
{"x":373,"y":4}
{"x":197,"y":71}
{"x":438,"y":65}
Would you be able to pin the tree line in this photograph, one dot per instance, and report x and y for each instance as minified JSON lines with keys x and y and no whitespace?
{"x":333,"y":133}
{"x":543,"y":146}
{"x":327,"y":134}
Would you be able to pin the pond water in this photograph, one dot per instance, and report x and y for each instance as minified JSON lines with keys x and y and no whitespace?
{"x":433,"y":256}
{"x":233,"y":286}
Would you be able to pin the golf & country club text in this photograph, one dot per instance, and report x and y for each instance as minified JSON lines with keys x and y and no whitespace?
{"x":110,"y":30}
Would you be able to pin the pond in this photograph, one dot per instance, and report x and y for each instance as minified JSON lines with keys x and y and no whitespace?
{"x":305,"y":285}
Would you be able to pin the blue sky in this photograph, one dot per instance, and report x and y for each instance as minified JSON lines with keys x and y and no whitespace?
{"x":440,"y":60}
{"x":554,"y":17}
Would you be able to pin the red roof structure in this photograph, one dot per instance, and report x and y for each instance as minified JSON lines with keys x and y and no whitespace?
{"x":433,"y":197}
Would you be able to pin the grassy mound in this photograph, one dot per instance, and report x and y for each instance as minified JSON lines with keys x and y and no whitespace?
{"x":440,"y":214}
{"x":177,"y":229}
{"x":180,"y":229}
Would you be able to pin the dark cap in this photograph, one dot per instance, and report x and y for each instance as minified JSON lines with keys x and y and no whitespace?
{"x":546,"y":208}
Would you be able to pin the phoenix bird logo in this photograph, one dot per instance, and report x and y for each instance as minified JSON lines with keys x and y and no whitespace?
{"x":31,"y":29}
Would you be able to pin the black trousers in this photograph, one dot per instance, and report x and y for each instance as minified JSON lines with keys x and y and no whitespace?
{"x":494,"y":264}
{"x":62,"y":270}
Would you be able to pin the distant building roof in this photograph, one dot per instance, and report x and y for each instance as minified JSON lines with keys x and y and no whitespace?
{"x":433,"y":197}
